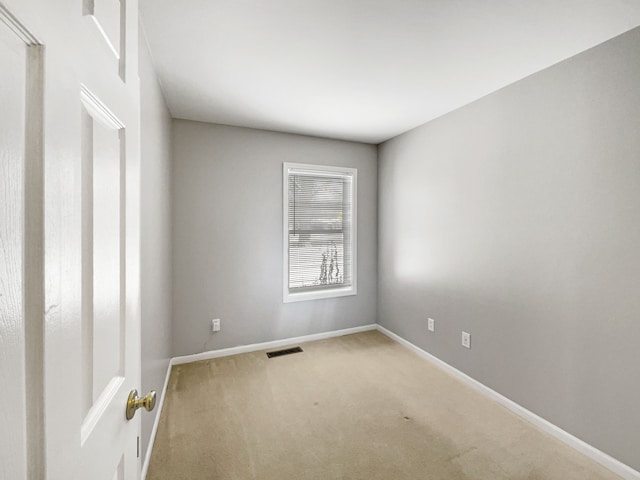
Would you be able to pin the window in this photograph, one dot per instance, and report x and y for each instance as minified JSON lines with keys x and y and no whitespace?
{"x":319,"y":205}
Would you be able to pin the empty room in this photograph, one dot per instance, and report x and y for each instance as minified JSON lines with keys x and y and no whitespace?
{"x":351,"y":240}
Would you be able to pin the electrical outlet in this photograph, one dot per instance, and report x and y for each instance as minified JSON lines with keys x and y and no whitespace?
{"x":431,"y":324}
{"x":215,"y":325}
{"x":466,"y":340}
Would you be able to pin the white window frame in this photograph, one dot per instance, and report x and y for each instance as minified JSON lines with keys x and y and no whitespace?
{"x":287,"y":296}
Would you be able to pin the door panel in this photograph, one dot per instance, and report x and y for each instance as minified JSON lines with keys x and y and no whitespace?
{"x":106,"y":15}
{"x":12,"y":353}
{"x":109,"y":20}
{"x":103,"y":257}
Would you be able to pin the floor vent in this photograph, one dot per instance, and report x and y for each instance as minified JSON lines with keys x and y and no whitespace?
{"x":286,"y":351}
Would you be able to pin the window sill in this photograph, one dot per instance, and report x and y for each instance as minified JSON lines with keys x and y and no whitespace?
{"x":318,"y":295}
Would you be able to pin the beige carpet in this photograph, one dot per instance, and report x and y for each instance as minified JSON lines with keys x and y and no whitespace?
{"x":354,"y":407}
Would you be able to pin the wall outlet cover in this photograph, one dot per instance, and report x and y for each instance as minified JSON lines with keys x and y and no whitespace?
{"x":215,"y":325}
{"x":431,"y":324}
{"x":466,"y":340}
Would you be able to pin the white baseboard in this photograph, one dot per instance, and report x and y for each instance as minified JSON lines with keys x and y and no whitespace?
{"x":602,"y":458}
{"x":154,"y":429}
{"x":225,"y":352}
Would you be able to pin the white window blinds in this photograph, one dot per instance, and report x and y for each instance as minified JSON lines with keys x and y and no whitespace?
{"x":320,"y":234}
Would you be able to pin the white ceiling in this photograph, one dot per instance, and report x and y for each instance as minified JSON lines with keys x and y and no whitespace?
{"x":363,"y":70}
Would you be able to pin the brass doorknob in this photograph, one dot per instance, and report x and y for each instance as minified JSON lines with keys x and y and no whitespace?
{"x":134,"y":402}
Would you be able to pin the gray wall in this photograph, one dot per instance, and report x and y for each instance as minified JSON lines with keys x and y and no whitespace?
{"x":517,"y":218}
{"x":227,"y":234}
{"x":156,"y":236}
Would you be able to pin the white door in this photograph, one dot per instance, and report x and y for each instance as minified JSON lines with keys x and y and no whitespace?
{"x":81,"y":326}
{"x":12,"y":165}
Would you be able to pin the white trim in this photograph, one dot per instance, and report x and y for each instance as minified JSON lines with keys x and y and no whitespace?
{"x":99,"y":110}
{"x":319,"y":294}
{"x":154,"y":429}
{"x":18,"y":27}
{"x":320,"y":170}
{"x":97,"y":410}
{"x":327,"y":170}
{"x":607,"y":461}
{"x":225,"y":352}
